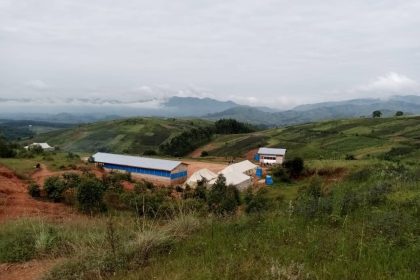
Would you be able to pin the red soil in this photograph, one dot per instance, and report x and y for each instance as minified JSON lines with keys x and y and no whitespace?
{"x":15,"y":201}
{"x":31,"y":270}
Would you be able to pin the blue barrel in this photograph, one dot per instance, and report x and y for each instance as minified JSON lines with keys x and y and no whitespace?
{"x":257,"y":157}
{"x":268,"y":180}
{"x":259,"y":172}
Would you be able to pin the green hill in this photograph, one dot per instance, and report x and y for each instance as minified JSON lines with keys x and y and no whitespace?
{"x":361,"y":138}
{"x":134,"y":135}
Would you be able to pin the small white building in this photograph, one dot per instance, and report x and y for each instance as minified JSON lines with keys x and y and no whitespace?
{"x":271,"y":155}
{"x":44,"y":146}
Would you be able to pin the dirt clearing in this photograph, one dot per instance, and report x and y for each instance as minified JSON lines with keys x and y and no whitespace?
{"x":31,"y":270}
{"x":193,"y":166}
{"x":15,"y":201}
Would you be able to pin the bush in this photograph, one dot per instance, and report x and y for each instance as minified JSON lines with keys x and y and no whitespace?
{"x":89,"y":195}
{"x":350,"y":157}
{"x":223,"y":200}
{"x":6,"y":149}
{"x":295,"y":166}
{"x":232,"y":126}
{"x":54,"y":186}
{"x":16,"y":244}
{"x":34,"y":190}
{"x":279,"y":173}
{"x":204,"y":154}
{"x":256,"y":202}
{"x":378,"y":193}
{"x":149,"y":153}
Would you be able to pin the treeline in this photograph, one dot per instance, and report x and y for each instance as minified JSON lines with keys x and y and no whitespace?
{"x":186,"y":142}
{"x":190,"y":140}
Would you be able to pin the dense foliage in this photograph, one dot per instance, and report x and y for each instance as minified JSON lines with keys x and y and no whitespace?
{"x":7,"y":150}
{"x":232,"y":126}
{"x":187,"y":141}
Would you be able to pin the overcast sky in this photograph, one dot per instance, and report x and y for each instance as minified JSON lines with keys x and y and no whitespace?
{"x":277,"y":53}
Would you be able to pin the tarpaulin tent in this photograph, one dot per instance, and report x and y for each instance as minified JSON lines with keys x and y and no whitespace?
{"x":200,"y":175}
{"x":245,"y":167}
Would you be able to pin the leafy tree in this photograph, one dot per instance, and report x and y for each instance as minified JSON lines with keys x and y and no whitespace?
{"x":89,"y":194}
{"x":223,"y":200}
{"x":399,"y":113}
{"x":376,"y":114}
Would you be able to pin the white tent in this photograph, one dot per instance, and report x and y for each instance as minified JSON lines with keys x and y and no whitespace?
{"x":199,"y":175}
{"x":237,"y":179}
{"x":245,"y":167}
{"x":44,"y":146}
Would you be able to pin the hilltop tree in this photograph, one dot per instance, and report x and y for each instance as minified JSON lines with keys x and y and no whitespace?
{"x":376,"y":114}
{"x":399,"y":113}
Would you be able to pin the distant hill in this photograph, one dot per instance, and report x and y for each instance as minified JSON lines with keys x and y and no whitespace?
{"x":323,"y":111}
{"x":133,"y":135}
{"x":192,"y":106}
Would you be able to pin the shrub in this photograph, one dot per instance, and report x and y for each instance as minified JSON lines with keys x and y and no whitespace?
{"x":34,"y":190}
{"x":350,"y":157}
{"x":71,"y":180}
{"x":223,"y":200}
{"x":149,"y":153}
{"x":256,"y":202}
{"x":204,"y":154}
{"x":294,"y":166}
{"x":17,"y":243}
{"x":377,"y":194}
{"x":89,"y":195}
{"x":279,"y":173}
{"x":54,"y":186}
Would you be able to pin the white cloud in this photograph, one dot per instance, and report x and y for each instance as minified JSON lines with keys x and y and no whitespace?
{"x":390,"y":83}
{"x":37,"y":85}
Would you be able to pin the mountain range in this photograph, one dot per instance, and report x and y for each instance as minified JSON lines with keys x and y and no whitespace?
{"x":212,"y":109}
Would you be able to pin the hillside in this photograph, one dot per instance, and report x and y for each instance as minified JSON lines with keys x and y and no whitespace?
{"x":134,"y":135}
{"x":361,"y":138}
{"x":323,"y":111}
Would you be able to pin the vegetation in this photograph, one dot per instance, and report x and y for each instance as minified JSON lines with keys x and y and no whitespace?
{"x":186,"y":142}
{"x":376,"y":114}
{"x":7,"y":150}
{"x":336,"y":217}
{"x":231,"y":126}
{"x":399,"y":113}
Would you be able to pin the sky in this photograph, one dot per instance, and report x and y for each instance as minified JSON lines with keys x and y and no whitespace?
{"x":274,"y":53}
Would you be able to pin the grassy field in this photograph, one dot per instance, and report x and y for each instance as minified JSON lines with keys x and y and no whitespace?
{"x":341,"y":219}
{"x":362,"y":138}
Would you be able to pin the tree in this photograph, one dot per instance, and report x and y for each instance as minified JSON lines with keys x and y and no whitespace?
{"x":223,"y":200}
{"x":89,"y":194}
{"x":399,"y":113}
{"x":256,"y":202}
{"x":376,"y":114}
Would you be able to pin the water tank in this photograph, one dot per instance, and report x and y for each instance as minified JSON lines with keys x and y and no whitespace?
{"x":268,"y":180}
{"x":257,"y":157}
{"x":259,"y":172}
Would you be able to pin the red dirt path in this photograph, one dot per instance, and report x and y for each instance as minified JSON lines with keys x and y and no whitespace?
{"x":31,"y":270}
{"x":15,"y":201}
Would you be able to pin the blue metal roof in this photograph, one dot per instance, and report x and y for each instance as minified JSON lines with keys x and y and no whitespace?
{"x":144,"y":162}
